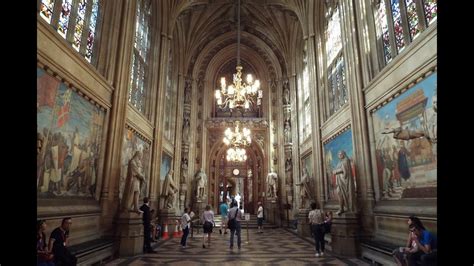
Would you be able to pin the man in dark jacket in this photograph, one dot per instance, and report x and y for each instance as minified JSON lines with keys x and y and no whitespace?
{"x":146,"y":226}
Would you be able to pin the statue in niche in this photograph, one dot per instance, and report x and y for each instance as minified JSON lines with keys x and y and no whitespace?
{"x":187,"y":91}
{"x":305,"y":189}
{"x":287,"y":131}
{"x":186,"y":130}
{"x":133,"y":184}
{"x":201,"y":181}
{"x":286,"y":93}
{"x":184,"y":170}
{"x":169,"y":190}
{"x":345,"y":184}
{"x":272,"y":184}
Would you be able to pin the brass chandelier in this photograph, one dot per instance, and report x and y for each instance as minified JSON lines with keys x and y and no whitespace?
{"x":238,"y":140}
{"x":240,"y":94}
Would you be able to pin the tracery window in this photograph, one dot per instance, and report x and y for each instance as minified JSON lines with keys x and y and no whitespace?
{"x":336,"y":81}
{"x":170,"y":102}
{"x":304,"y":108}
{"x":140,"y":62}
{"x":399,"y":22}
{"x":75,"y":20}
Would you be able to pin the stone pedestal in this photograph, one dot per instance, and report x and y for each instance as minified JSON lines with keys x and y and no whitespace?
{"x":272,"y":211}
{"x":130,"y":233}
{"x":169,"y":216}
{"x":344,"y":235}
{"x":304,"y":229}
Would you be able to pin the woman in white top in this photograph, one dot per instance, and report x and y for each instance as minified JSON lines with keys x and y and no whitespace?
{"x":317,"y":227}
{"x":185,"y":220}
{"x":208,"y":224}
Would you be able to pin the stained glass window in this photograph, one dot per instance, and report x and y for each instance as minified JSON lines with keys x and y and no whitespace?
{"x":46,"y":10}
{"x":337,"y":92}
{"x":387,"y":12}
{"x":431,"y":10}
{"x":397,"y":25}
{"x":76,"y":21}
{"x":382,"y":31}
{"x":333,"y":35}
{"x":412,"y":18}
{"x":138,"y":81}
{"x":92,"y":26}
{"x":64,"y":17}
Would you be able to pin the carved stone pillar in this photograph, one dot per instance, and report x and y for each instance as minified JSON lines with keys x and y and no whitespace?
{"x":344,"y":235}
{"x":130,"y":234}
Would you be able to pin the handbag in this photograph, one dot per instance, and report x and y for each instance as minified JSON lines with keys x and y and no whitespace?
{"x":232,"y":223}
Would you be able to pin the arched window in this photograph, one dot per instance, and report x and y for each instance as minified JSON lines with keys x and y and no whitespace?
{"x":140,"y":61}
{"x":399,"y":22}
{"x":304,"y":108}
{"x":75,"y":21}
{"x":336,"y":80}
{"x":170,"y":102}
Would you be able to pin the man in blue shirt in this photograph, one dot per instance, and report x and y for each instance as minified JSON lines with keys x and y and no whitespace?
{"x":223,"y":209}
{"x":427,"y":247}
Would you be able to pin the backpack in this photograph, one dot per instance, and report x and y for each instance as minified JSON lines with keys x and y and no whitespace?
{"x":232,"y":223}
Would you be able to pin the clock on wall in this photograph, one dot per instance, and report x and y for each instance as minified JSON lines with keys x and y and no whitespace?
{"x":236,"y":171}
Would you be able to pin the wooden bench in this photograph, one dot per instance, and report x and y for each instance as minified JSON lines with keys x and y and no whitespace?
{"x":93,"y":252}
{"x":378,"y":252}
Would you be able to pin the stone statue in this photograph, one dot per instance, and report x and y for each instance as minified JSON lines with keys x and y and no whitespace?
{"x":287,"y":130}
{"x":186,"y":129}
{"x":133,"y":184}
{"x":286,"y":93}
{"x":345,"y":184}
{"x":272,"y":184}
{"x":201,"y":181}
{"x":169,"y":190}
{"x":305,"y":189}
{"x":187,"y":91}
{"x":184,"y":170}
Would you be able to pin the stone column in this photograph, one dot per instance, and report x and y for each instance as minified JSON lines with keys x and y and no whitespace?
{"x":110,"y":191}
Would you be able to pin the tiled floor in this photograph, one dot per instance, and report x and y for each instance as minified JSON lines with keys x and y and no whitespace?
{"x":273,"y":247}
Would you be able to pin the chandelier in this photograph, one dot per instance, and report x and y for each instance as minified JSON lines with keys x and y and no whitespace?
{"x":238,"y":141}
{"x":240,"y":94}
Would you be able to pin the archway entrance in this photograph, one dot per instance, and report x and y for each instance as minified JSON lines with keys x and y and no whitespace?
{"x":242,"y":181}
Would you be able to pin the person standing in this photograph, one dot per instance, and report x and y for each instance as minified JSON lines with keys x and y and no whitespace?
{"x":145,"y":208}
{"x":315,"y":217}
{"x":224,"y":209}
{"x":208,"y":224}
{"x":58,"y":243}
{"x":260,"y":217}
{"x":235,"y":213}
{"x":185,"y":221}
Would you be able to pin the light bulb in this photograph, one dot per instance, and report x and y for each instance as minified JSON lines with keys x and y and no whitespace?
{"x":230,"y":90}
{"x":249,"y":78}
{"x":247,"y":105}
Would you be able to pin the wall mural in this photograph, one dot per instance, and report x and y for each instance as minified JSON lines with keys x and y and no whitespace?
{"x":165,"y":165}
{"x":331,"y":159}
{"x":406,"y":135}
{"x":132,"y":143}
{"x":71,"y":131}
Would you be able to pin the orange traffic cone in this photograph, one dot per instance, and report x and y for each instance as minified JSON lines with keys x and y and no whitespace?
{"x":165,"y":232}
{"x":176,"y":233}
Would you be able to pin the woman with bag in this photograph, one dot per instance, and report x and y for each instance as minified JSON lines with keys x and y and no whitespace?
{"x":44,"y":256}
{"x":235,"y":216}
{"x":208,"y":224}
{"x":315,"y":217}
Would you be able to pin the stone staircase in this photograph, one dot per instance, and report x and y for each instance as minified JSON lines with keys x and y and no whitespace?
{"x":252,"y":224}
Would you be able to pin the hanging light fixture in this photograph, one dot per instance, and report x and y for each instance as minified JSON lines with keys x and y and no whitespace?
{"x":238,"y":141}
{"x":240,"y":94}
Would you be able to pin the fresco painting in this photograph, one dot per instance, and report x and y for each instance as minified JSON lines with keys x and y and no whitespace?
{"x":331,"y":159}
{"x":131,"y":143}
{"x":405,"y":133}
{"x":71,"y":130}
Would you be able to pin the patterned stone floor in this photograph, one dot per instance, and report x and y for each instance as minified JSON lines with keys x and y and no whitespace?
{"x":273,"y":247}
